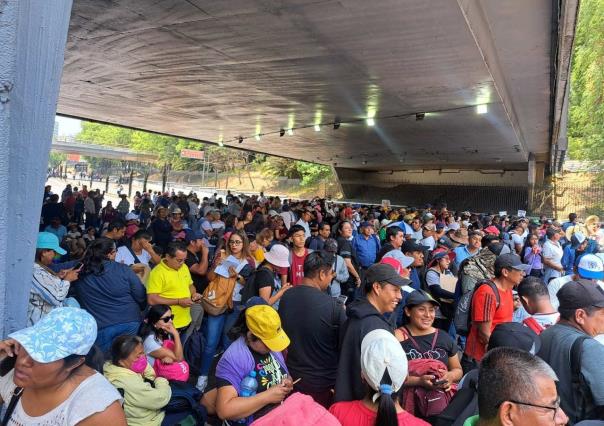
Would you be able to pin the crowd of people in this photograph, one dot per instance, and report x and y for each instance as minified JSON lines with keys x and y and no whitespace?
{"x":257,"y":310}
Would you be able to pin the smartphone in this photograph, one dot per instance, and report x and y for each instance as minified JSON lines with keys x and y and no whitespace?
{"x":439,"y":382}
{"x":342,"y":299}
{"x":77,"y":266}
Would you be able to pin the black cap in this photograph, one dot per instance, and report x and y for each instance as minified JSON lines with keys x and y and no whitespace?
{"x":411,"y":245}
{"x":515,"y":335}
{"x":511,"y":261}
{"x":579,"y":295}
{"x":384,"y":273}
{"x":418,"y":297}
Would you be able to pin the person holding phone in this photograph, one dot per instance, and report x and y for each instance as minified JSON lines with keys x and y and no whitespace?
{"x":49,"y":289}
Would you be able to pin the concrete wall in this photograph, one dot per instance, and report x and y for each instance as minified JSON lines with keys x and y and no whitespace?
{"x":460,"y":189}
{"x":32,"y":43}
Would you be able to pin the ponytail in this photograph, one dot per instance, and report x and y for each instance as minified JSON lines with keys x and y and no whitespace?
{"x":386,"y":412}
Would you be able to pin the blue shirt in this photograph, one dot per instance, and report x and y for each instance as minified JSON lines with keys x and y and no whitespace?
{"x":462,"y":253}
{"x":116,"y":296}
{"x":367,"y":249}
{"x":60,"y":232}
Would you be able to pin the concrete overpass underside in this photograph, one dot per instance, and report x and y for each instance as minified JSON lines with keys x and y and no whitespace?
{"x":464,"y":93}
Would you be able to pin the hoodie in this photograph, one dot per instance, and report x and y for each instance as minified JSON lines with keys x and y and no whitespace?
{"x":143,"y":403}
{"x":363,"y":317}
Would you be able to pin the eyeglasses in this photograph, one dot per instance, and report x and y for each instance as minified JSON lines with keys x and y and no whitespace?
{"x":167,"y":319}
{"x":235,"y":242}
{"x":556,"y":408}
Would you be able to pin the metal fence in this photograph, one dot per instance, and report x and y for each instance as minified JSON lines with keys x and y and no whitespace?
{"x":564,"y":196}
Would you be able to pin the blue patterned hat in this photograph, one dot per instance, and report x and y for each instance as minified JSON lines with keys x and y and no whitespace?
{"x":63,"y":332}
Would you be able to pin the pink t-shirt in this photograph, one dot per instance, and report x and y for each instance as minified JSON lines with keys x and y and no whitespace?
{"x":296,"y":270}
{"x":355,"y":413}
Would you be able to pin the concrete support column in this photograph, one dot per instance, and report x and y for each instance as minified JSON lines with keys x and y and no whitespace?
{"x":33,"y":34}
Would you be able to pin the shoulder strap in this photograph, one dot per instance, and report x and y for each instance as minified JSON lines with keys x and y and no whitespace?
{"x":136,"y":259}
{"x":533,"y":324}
{"x":413,"y":342}
{"x":434,"y":340}
{"x":12,"y":405}
{"x":493,"y":287}
{"x":581,"y":392}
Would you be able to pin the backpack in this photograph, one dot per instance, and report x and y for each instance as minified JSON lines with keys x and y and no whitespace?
{"x":463,"y":318}
{"x":185,"y":402}
{"x":582,"y":396}
{"x":463,"y":405}
{"x":249,"y":289}
{"x":218,"y":295}
{"x":193,"y":352}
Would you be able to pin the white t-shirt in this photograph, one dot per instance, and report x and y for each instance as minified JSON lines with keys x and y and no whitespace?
{"x":151,"y":344}
{"x":555,"y":285}
{"x":304,"y":225}
{"x":92,"y":396}
{"x":552,"y":252}
{"x":517,"y":239}
{"x":124,"y":256}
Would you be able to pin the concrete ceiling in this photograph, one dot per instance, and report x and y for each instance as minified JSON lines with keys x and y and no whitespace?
{"x":203,"y":69}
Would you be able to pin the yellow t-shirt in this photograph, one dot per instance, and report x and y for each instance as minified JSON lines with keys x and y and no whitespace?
{"x":172,"y":284}
{"x":258,"y":255}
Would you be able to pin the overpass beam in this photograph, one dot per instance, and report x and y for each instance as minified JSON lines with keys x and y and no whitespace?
{"x":33,"y":34}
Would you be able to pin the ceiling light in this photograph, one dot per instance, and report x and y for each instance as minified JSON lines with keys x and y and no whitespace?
{"x":370,"y":121}
{"x":290,"y":132}
{"x":257,"y":137}
{"x":420,"y":116}
{"x":240,"y":139}
{"x":482,"y":109}
{"x":317,"y":128}
{"x":281,"y":132}
{"x":364,"y":161}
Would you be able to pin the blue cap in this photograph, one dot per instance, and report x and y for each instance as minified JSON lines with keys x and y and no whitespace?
{"x":191,"y":235}
{"x":63,"y":332}
{"x":49,"y":241}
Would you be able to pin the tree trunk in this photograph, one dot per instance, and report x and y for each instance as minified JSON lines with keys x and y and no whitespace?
{"x":130,"y":183}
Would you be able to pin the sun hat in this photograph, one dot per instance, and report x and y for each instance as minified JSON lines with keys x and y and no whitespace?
{"x":49,"y":241}
{"x":264,"y":323}
{"x":460,"y":236}
{"x":278,"y":256}
{"x":591,"y":267}
{"x":381,"y":352}
{"x":63,"y":332}
{"x":398,"y":255}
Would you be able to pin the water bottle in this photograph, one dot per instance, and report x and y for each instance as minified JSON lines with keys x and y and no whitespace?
{"x":249,"y":384}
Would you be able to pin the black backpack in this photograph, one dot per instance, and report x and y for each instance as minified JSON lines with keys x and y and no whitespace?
{"x":193,"y":352}
{"x":463,"y":314}
{"x":582,"y":397}
{"x":463,"y":405}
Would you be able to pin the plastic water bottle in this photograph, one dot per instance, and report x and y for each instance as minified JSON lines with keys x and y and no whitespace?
{"x":249,"y":384}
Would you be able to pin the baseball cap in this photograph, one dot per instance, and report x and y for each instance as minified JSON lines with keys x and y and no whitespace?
{"x":131,"y":216}
{"x":383,"y":273}
{"x":63,"y":332}
{"x":176,"y":211}
{"x":411,"y":245}
{"x":453,"y":226}
{"x":264,"y":322}
{"x":191,"y":235}
{"x":364,"y":224}
{"x":511,"y":261}
{"x":418,"y":297}
{"x":398,"y":255}
{"x":49,"y":241}
{"x":439,"y":254}
{"x":591,"y":267}
{"x":381,"y":352}
{"x":580,"y":294}
{"x":445,"y":242}
{"x":515,"y":335}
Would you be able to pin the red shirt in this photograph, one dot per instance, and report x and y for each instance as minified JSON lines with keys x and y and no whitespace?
{"x":296,"y":269}
{"x":355,"y":413}
{"x":484,"y":308}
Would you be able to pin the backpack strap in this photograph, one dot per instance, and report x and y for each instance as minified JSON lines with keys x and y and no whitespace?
{"x":582,"y":394}
{"x":433,"y":345}
{"x":12,"y":405}
{"x":533,"y":324}
{"x":136,"y":259}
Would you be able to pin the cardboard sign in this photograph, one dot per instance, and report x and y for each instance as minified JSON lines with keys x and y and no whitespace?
{"x":386,"y":204}
{"x":521,"y":213}
{"x":448,"y":282}
{"x":503,"y":213}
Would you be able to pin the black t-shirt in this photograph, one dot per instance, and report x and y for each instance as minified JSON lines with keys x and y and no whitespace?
{"x":199,"y":281}
{"x":312,"y":320}
{"x":444,"y":348}
{"x":347,"y":251}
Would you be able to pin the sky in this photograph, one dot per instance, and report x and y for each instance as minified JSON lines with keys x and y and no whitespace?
{"x":68,"y":126}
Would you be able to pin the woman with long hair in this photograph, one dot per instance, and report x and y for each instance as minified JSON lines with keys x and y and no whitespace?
{"x":384,"y":370}
{"x":111,"y":292}
{"x":156,"y":330}
{"x":531,"y":255}
{"x":213,"y":326}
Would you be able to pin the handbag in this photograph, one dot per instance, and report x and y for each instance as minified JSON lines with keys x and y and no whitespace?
{"x":178,"y":371}
{"x":12,"y":405}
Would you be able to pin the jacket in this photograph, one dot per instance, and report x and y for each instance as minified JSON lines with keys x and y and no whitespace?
{"x":142,"y":402}
{"x":363,"y":317}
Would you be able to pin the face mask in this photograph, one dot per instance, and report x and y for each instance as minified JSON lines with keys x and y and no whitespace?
{"x":139,"y":365}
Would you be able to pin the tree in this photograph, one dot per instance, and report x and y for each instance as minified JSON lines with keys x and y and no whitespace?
{"x":55,"y":159}
{"x":586,"y":116}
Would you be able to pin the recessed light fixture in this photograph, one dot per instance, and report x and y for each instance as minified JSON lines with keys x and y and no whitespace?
{"x":317,"y":128}
{"x":420,"y":116}
{"x":257,"y":137}
{"x":482,"y":109}
{"x":370,"y":121}
{"x":290,"y":132}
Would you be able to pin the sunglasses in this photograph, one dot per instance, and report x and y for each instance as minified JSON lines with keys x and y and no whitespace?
{"x":167,"y":319}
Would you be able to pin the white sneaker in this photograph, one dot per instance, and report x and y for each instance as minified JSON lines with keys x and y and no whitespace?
{"x":202,"y":382}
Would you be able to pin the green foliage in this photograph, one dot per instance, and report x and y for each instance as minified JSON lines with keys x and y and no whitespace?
{"x":586,"y":116}
{"x":56,"y":159}
{"x":313,"y":173}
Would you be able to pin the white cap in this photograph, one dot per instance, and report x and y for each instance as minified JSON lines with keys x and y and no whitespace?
{"x":405,"y":261}
{"x":131,"y":216}
{"x":453,"y":226}
{"x":381,"y":352}
{"x":591,"y":267}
